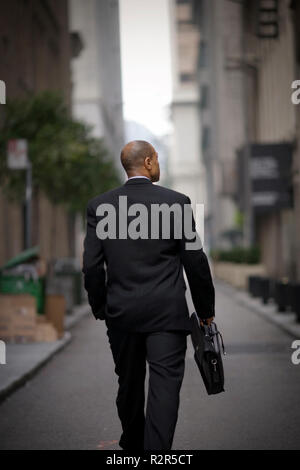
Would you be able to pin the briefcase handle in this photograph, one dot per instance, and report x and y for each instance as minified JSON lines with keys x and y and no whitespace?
{"x":213,"y":333}
{"x":210,"y":330}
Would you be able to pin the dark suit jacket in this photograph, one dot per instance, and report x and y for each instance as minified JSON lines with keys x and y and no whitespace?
{"x":138,"y":285}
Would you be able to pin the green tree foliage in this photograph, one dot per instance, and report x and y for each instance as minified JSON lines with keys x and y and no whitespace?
{"x":68,"y":164}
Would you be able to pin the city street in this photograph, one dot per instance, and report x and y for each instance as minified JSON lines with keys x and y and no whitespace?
{"x":112,"y":135}
{"x":70,"y":403}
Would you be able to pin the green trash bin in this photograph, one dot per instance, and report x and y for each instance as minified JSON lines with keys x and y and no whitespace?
{"x":11,"y":282}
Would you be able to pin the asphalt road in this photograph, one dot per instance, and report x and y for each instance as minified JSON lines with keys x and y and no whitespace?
{"x":70,"y":403}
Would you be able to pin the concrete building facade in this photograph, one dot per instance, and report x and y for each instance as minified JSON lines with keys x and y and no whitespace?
{"x":247,"y":62}
{"x":220,"y":81}
{"x":96,"y":73}
{"x":295,"y":7}
{"x":185,"y":165}
{"x":270,"y":55}
{"x":96,"y":78}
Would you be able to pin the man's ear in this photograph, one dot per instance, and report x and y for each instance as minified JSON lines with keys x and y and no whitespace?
{"x":147,"y":162}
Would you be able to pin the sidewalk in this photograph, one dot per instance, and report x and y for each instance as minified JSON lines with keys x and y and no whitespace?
{"x":284,"y":320}
{"x":24,"y":360}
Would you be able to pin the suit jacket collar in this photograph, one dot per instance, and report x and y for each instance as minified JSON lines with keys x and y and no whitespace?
{"x":138,"y":181}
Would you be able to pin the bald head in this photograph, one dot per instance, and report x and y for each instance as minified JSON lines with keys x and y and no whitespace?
{"x":140,"y":158}
{"x":134,"y":154}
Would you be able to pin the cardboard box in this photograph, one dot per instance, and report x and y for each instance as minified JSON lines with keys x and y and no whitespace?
{"x":41,"y":319}
{"x":45,"y":332}
{"x":17,"y":318}
{"x":55,"y":308}
{"x":6,"y":325}
{"x":24,"y":318}
{"x":19,"y":322}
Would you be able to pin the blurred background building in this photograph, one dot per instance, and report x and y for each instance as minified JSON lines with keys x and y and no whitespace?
{"x":35,"y":51}
{"x":269,"y":64}
{"x":295,"y":6}
{"x":220,"y":84}
{"x":186,"y":168}
{"x":96,"y":78}
{"x":234,"y":141}
{"x":72,"y":47}
{"x":96,"y":73}
{"x":246,"y":64}
{"x":62,"y":59}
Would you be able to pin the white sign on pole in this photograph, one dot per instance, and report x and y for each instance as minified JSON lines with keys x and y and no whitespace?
{"x":17,"y":155}
{"x":2,"y":353}
{"x":2,"y":92}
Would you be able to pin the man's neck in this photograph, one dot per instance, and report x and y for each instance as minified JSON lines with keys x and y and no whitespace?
{"x":139,"y":176}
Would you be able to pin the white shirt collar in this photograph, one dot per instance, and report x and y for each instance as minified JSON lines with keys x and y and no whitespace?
{"x":139,"y":176}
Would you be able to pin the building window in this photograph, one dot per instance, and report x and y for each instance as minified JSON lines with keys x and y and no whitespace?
{"x":185,"y":22}
{"x":267,"y":19}
{"x":187,"y":77}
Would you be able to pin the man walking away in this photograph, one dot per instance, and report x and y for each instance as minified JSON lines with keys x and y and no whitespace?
{"x":136,"y":285}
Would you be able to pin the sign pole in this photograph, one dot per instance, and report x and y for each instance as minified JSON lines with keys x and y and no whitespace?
{"x":17,"y":159}
{"x":28,"y":207}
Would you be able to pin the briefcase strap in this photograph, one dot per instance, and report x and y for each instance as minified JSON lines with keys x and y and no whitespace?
{"x":222,"y":342}
{"x":215,"y":333}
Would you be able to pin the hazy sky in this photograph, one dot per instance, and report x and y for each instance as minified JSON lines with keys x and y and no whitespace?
{"x":146,"y":62}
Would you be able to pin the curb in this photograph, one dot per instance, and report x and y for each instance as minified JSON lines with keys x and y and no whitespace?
{"x":78,"y":313}
{"x":285,"y":321}
{"x":16,"y":383}
{"x":21,"y":380}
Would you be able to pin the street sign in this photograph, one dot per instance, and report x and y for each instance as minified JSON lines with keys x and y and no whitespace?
{"x":271,"y":176}
{"x":268,"y":173}
{"x":2,"y":92}
{"x":17,"y":154}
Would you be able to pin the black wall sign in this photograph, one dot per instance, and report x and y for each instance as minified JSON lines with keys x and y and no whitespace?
{"x":270,"y":174}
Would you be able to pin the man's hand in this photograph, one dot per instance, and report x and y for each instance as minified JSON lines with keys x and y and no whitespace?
{"x":207,"y":321}
{"x":101,"y":314}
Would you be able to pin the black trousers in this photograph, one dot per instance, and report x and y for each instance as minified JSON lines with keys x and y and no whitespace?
{"x":165,"y":353}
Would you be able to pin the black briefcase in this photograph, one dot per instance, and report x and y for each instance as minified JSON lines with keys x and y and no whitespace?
{"x":208,"y":354}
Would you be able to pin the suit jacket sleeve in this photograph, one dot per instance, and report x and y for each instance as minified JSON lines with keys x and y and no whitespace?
{"x":93,"y":267}
{"x":198,"y":274}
